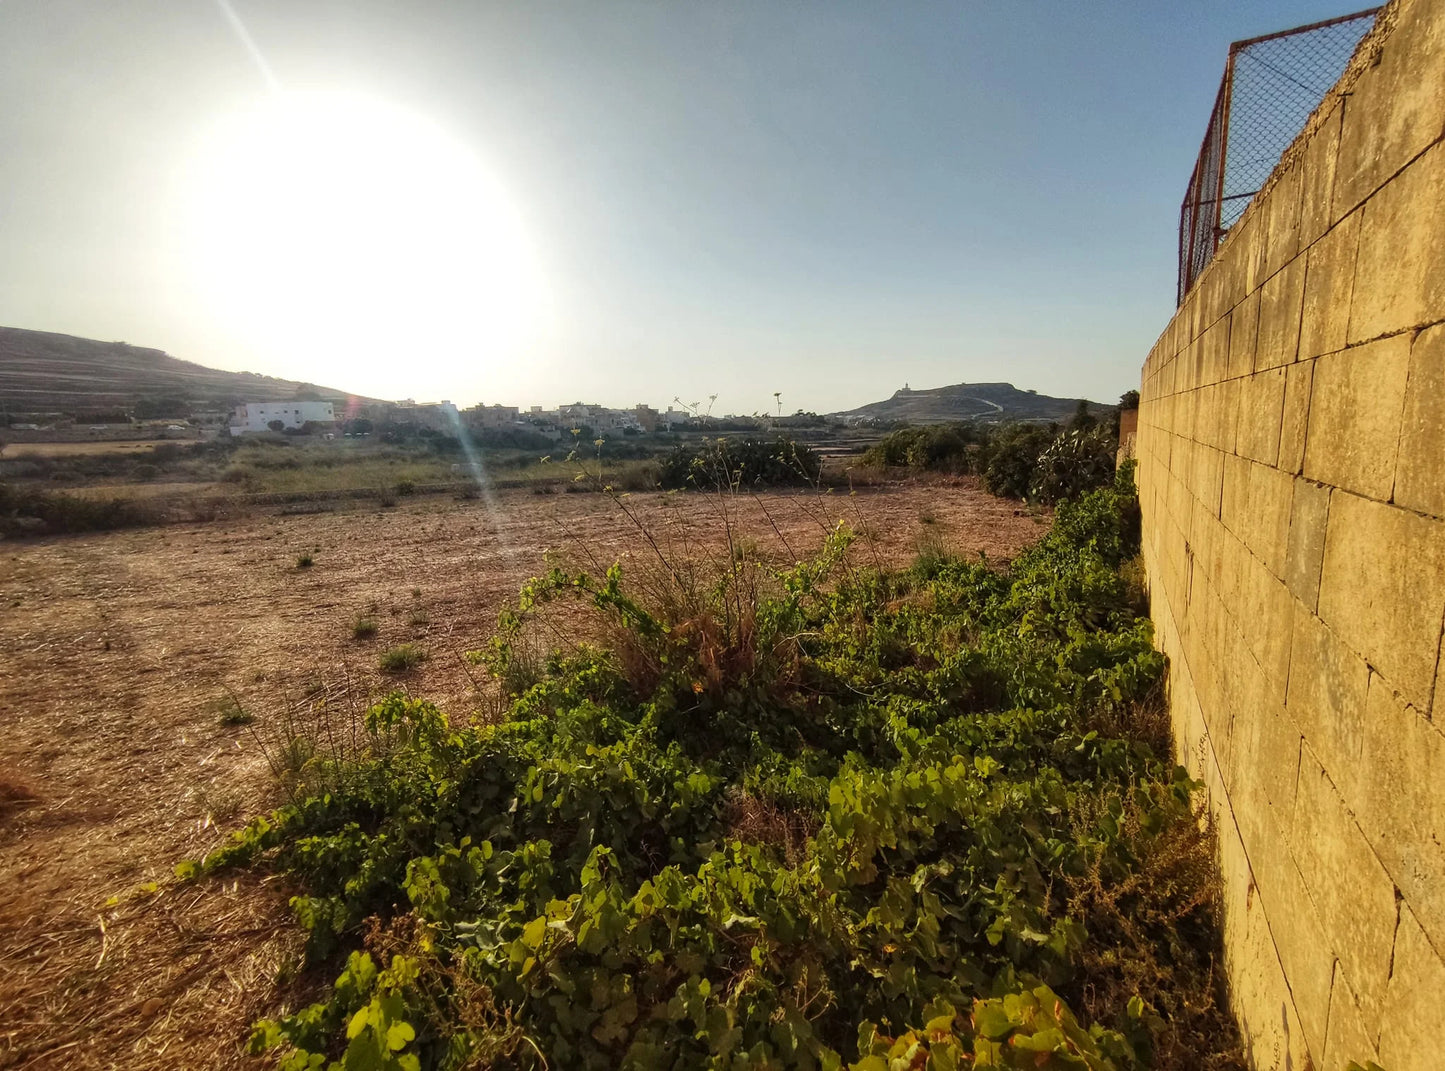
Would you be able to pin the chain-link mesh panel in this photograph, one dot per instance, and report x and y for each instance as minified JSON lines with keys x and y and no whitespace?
{"x":1271,"y":86}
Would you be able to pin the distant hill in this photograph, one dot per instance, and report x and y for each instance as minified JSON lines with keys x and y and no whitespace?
{"x":45,"y":372}
{"x":971,"y":401}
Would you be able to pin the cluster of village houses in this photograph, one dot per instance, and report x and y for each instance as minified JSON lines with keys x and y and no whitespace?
{"x":446,"y":417}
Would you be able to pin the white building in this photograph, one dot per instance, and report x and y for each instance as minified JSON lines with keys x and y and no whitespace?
{"x":257,"y":416}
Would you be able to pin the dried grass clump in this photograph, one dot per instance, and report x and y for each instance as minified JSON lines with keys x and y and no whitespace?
{"x":1155,"y":932}
{"x":754,"y":820}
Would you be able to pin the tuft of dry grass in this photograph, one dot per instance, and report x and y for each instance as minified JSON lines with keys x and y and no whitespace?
{"x":755,"y":820}
{"x":1154,"y":932}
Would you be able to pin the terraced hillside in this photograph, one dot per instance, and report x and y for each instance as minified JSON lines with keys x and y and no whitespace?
{"x":41,"y":371}
{"x":970,"y":401}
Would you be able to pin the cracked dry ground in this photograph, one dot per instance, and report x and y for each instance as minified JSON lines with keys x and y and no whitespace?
{"x":119,"y":651}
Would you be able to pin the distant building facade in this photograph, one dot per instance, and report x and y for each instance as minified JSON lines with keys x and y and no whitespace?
{"x":258,"y":416}
{"x":491,"y":416}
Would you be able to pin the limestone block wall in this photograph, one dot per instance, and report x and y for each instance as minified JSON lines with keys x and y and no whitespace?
{"x":1291,"y":451}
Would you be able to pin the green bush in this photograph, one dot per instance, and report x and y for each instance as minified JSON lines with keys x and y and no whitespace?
{"x":788,"y":819}
{"x":1011,"y":458}
{"x":740,"y":463}
{"x":1031,"y":461}
{"x":1075,"y":462}
{"x":937,"y":447}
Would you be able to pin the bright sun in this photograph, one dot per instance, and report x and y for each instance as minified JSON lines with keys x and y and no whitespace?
{"x":348,"y":241}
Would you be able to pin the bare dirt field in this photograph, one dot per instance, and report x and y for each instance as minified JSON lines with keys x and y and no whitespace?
{"x":83,"y":449}
{"x":120,"y":654}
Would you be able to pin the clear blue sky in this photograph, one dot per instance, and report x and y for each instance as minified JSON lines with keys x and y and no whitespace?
{"x":827,"y":200}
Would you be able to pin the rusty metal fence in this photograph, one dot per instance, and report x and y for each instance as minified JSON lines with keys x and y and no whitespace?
{"x":1271,"y":85}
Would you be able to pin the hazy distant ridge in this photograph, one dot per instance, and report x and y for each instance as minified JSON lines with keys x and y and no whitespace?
{"x":41,"y":371}
{"x":970,"y":401}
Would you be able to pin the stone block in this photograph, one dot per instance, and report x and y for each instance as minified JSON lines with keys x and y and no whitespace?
{"x":1267,"y":612}
{"x":1319,"y":175}
{"x":1270,"y":497}
{"x":1299,"y":378}
{"x":1328,"y":684}
{"x":1274,"y":1039}
{"x":1233,"y":562}
{"x":1243,"y":333}
{"x":1281,"y":208}
{"x":1187,"y":377}
{"x":1353,"y":894}
{"x":1215,"y":351}
{"x":1265,"y":770}
{"x":1305,"y":555}
{"x":1281,"y":301}
{"x":1410,"y":1027}
{"x":1329,"y":279}
{"x":1303,"y":945}
{"x":1396,"y":108}
{"x":1399,"y":800}
{"x":1237,"y":880}
{"x":1437,"y":702}
{"x":1247,"y":247}
{"x":1230,"y":392}
{"x":1357,"y":401}
{"x":1347,"y":1038}
{"x":1400,"y":267}
{"x":1261,"y":411}
{"x":1207,"y":419}
{"x":1420,"y":467}
{"x":1382,"y":589}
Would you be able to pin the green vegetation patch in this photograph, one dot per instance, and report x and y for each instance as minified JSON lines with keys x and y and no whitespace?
{"x":805,"y":818}
{"x":402,"y":658}
{"x":1040,"y":462}
{"x":740,"y":463}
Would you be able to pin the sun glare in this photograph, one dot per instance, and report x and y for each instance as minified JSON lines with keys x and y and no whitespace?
{"x":342,"y":237}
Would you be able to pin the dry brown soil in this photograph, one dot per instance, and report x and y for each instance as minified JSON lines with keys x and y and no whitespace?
{"x":118,"y":651}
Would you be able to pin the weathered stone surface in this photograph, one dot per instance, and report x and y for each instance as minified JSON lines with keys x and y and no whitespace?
{"x":1273,"y":1038}
{"x":1299,"y":936}
{"x":1261,"y":412}
{"x":1255,"y":506}
{"x":1400,"y":268}
{"x":1356,"y":405}
{"x":1292,"y":482}
{"x":1216,"y":351}
{"x":1309,"y":512}
{"x":1420,"y":469}
{"x":1410,"y":1028}
{"x":1230,"y":392}
{"x":1243,"y":333}
{"x":1382,"y":589}
{"x":1398,"y":801}
{"x":1396,"y":108}
{"x":1354,"y":895}
{"x":1319,"y":175}
{"x":1281,"y":301}
{"x":1329,"y":280}
{"x":1282,"y":218}
{"x":1299,"y":379}
{"x":1348,"y":1038}
{"x":1327,"y":687}
{"x":1267,"y":609}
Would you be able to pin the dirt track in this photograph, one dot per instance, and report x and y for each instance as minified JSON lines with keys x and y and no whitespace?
{"x":115,"y":651}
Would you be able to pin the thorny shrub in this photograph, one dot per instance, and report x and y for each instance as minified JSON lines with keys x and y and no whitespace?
{"x":801,"y":818}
